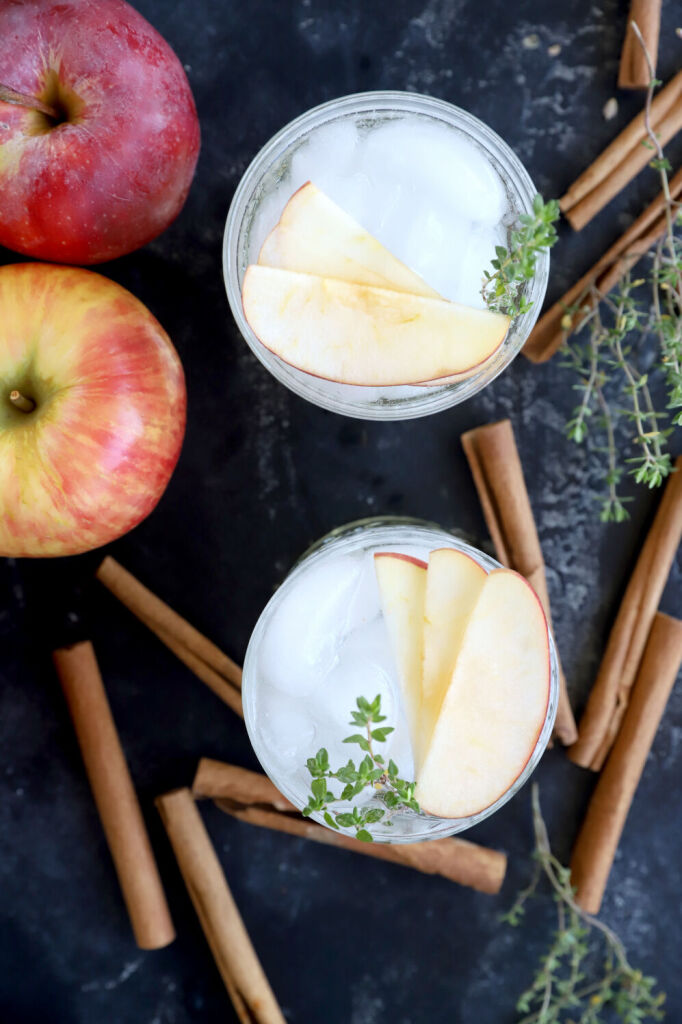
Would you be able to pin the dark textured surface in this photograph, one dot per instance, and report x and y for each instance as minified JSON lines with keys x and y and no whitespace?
{"x":262,"y":474}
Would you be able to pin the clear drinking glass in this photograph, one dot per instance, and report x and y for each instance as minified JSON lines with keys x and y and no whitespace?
{"x":272,"y":167}
{"x":290,"y":776}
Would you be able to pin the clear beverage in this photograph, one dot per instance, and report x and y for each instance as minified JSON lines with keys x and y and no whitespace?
{"x":320,"y":643}
{"x":435,"y":185}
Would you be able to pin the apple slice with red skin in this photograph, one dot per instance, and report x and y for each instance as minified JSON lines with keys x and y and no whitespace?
{"x":315,"y":236}
{"x":355,"y":334}
{"x":496,"y":703}
{"x":92,"y":410}
{"x":453,"y":584}
{"x":402,"y":587}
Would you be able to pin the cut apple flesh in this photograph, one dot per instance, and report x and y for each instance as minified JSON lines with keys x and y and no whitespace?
{"x":315,"y":236}
{"x":402,"y":587}
{"x":354,"y":334}
{"x":495,"y":705}
{"x":453,"y":584}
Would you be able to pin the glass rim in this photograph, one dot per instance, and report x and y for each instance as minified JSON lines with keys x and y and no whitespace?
{"x":434,"y":398}
{"x":439,"y":827}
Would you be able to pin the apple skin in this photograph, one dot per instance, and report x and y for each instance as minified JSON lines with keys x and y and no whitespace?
{"x":117,"y":173}
{"x":94,"y":456}
{"x":405,"y":558}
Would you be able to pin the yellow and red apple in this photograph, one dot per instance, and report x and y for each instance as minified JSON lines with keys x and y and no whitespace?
{"x":99,"y":144}
{"x":92,"y":410}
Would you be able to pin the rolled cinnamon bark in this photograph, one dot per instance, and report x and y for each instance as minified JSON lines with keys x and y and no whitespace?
{"x":240,"y":1007}
{"x":200,"y":655}
{"x":163,"y":621}
{"x":624,"y":158}
{"x":498,"y":475}
{"x":251,"y":797}
{"x":634,"y":70}
{"x":216,"y":779}
{"x":548,"y":334}
{"x":114,"y":795}
{"x":610,"y":694}
{"x":216,"y":909}
{"x":601,"y":830}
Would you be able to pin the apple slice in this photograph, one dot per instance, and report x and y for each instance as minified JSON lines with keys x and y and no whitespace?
{"x":354,"y":334}
{"x":453,"y":584}
{"x":495,"y":705}
{"x":315,"y":236}
{"x":402,"y":586}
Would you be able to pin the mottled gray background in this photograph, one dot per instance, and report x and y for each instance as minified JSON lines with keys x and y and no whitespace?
{"x":344,"y":940}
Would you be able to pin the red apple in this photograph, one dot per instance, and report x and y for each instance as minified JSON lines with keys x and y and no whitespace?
{"x":92,"y":410}
{"x":109,"y":165}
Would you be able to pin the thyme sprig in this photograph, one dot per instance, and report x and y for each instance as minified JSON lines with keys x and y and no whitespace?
{"x":608,"y":350}
{"x":502,"y":288}
{"x":561,"y":985}
{"x":372,"y":771}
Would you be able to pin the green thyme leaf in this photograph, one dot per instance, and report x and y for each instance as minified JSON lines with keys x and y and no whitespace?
{"x":371,"y":771}
{"x":364,"y":836}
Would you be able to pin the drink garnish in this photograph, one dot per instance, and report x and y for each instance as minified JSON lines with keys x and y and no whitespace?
{"x":372,"y":771}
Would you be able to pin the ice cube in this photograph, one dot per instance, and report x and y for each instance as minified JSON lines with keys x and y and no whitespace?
{"x":364,"y":669}
{"x":440,"y":164}
{"x":387,"y":218}
{"x":434,"y":244}
{"x":286,"y":727}
{"x":332,"y":149}
{"x":366,"y":604}
{"x":353,"y":193}
{"x":302,"y":639}
{"x":478,"y":252}
{"x":269,"y":212}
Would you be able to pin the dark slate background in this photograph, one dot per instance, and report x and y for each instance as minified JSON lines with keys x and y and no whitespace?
{"x":344,"y":940}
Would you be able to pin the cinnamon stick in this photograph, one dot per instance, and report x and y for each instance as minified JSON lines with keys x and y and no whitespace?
{"x":251,"y":797}
{"x":244,"y":1016}
{"x":634,"y":70}
{"x":611,"y":692}
{"x":498,"y":475}
{"x":217,"y":911}
{"x":216,"y":780}
{"x":624,"y":158}
{"x":201,"y":656}
{"x":601,"y":830}
{"x":112,"y":788}
{"x":549,"y":332}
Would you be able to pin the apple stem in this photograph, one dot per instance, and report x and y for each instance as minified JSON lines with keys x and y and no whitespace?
{"x":21,"y":402}
{"x":21,"y":99}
